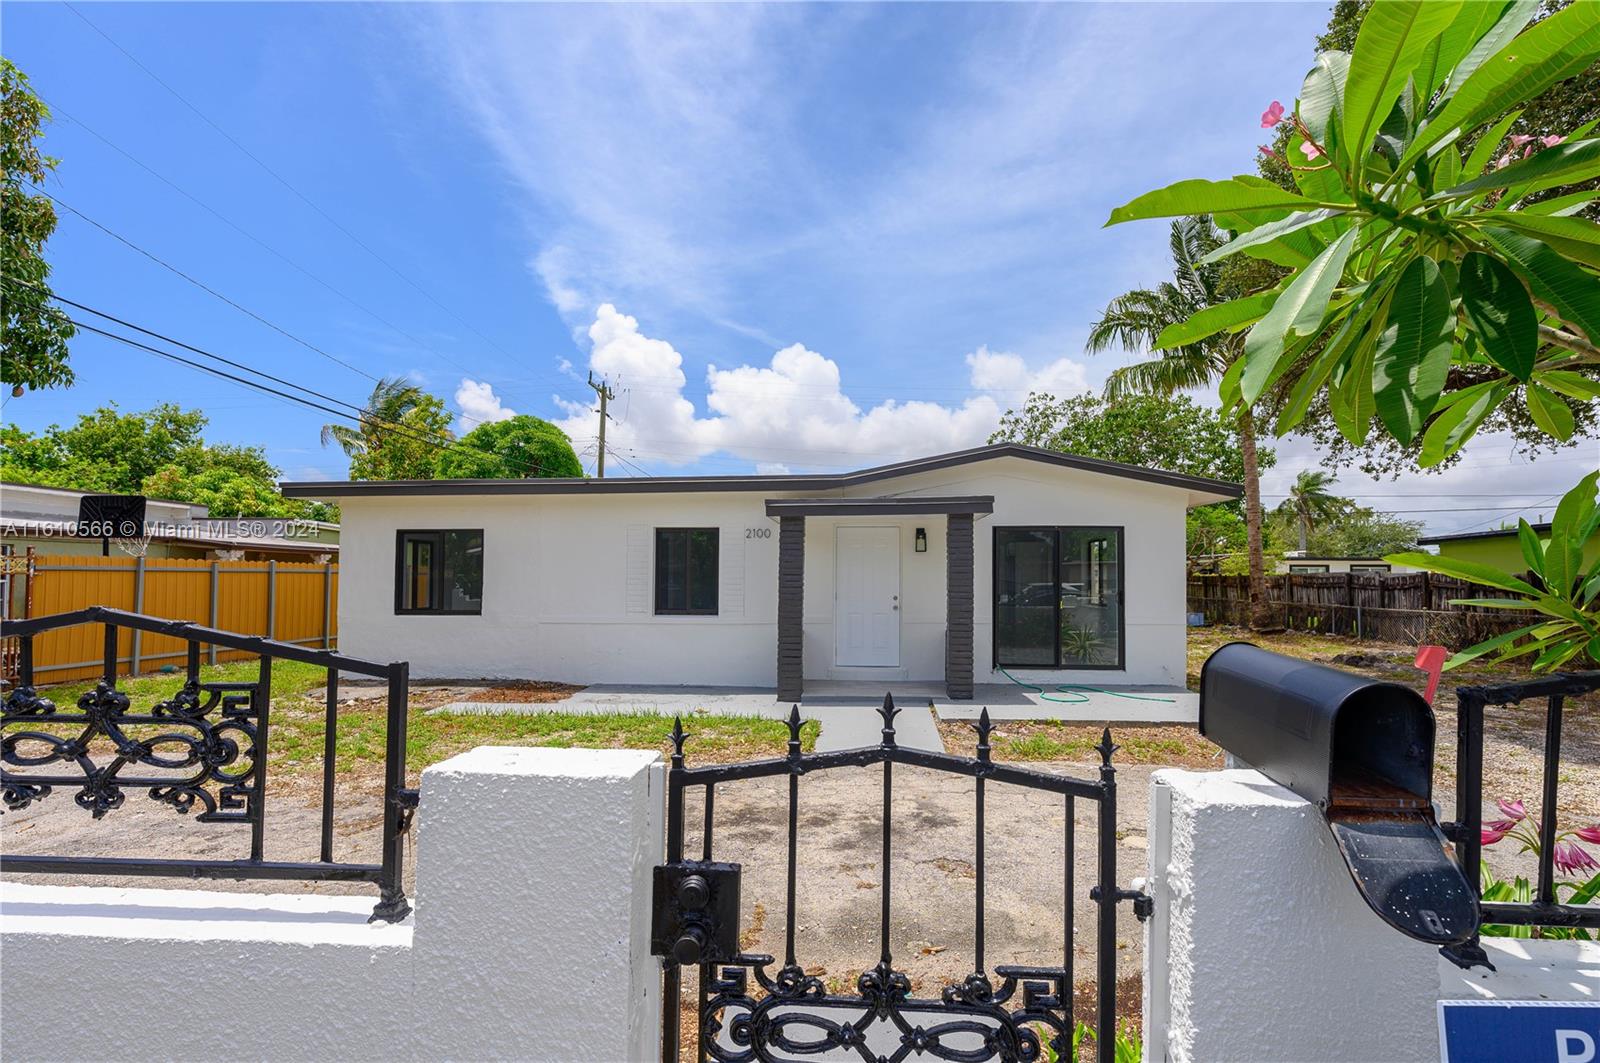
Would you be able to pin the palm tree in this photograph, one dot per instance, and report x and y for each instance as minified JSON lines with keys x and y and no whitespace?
{"x":391,"y":399}
{"x":1134,"y":319}
{"x":1310,"y":501}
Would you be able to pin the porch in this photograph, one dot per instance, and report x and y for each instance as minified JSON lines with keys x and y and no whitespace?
{"x":866,"y":621}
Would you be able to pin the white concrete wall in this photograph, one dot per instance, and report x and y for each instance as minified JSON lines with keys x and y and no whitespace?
{"x":530,"y":940}
{"x":1260,"y":947}
{"x":569,"y":590}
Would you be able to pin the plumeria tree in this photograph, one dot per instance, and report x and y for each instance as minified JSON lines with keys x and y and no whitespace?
{"x":1422,"y":289}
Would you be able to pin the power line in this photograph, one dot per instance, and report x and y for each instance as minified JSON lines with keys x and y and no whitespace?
{"x":361,"y":416}
{"x":360,"y":419}
{"x":284,"y":182}
{"x":207,"y":288}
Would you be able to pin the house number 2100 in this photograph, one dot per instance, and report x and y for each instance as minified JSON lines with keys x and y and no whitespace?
{"x":758,"y":533}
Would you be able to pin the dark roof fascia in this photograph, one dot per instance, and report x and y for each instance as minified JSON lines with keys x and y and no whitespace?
{"x":1455,"y":537}
{"x":787,"y":482}
{"x":877,"y":507}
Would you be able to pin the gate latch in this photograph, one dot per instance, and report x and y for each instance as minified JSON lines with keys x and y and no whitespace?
{"x":696,"y":912}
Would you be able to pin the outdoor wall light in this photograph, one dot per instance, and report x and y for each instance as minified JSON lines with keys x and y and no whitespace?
{"x":922,"y":540}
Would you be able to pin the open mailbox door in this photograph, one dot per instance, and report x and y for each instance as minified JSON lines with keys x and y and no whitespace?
{"x":1361,"y":750}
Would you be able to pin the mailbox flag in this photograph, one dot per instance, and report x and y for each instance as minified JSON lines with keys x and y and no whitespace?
{"x":1431,"y":660}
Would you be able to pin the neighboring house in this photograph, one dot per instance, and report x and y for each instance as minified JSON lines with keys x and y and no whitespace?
{"x":1497,"y":548}
{"x":942,"y":568}
{"x":1305,"y":564}
{"x":45,"y":519}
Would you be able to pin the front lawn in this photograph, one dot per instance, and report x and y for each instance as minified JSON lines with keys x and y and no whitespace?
{"x":298,"y":720}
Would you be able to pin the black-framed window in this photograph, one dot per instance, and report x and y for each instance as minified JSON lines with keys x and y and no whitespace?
{"x":439,"y":572}
{"x":686,"y":571}
{"x":1058,"y":597}
{"x":1308,"y":570}
{"x":1372,"y":567}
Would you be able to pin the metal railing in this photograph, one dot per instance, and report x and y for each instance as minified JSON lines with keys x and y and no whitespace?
{"x":997,"y":1011}
{"x":1545,"y":909}
{"x":205,"y":748}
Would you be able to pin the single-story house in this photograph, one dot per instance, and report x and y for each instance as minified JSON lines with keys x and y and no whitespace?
{"x":1498,"y":548}
{"x":44,"y":520}
{"x":946,"y":568}
{"x":1297,"y":563}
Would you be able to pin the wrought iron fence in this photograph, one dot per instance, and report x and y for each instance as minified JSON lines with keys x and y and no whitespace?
{"x":203,"y":750}
{"x":1545,"y":909}
{"x":996,"y":1015}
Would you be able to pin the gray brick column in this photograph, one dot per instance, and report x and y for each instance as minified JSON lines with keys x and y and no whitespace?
{"x":958,"y":605}
{"x":791,"y":605}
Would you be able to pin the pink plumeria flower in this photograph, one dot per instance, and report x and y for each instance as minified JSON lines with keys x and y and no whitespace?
{"x":1503,"y":161}
{"x":1552,"y":140}
{"x":1589,"y":834}
{"x":1272,"y":115}
{"x":1310,"y":150}
{"x":1518,"y":140}
{"x":1515,"y":811}
{"x":1268,"y":152}
{"x":1571,"y":858}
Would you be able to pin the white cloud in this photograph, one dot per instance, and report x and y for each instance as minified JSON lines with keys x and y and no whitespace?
{"x":793,"y":411}
{"x":479,"y":405}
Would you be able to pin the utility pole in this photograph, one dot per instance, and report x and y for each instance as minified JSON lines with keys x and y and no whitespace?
{"x":606,"y":395}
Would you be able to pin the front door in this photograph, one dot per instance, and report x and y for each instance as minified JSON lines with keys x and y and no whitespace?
{"x":866,"y":597}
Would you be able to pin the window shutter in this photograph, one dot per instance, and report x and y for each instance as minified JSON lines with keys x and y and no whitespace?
{"x":731,"y":574}
{"x":638,"y":568}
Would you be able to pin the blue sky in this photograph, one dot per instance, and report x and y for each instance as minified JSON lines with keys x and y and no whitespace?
{"x":796,"y":236}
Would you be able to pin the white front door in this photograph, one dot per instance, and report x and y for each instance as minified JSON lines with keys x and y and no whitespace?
{"x":866,"y":597}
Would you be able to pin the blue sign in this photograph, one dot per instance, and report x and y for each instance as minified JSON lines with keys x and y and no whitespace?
{"x":1519,"y":1031}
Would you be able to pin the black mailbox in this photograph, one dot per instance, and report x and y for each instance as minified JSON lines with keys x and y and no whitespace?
{"x":1361,"y":750}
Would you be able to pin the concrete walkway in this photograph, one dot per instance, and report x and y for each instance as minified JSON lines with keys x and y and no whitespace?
{"x":848,"y":713}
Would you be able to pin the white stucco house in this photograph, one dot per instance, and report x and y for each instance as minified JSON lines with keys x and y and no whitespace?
{"x":947,"y":568}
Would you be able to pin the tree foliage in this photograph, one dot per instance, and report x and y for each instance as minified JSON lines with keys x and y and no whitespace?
{"x":1171,"y":432}
{"x":1564,"y":106}
{"x":516,"y":448}
{"x":399,"y":435}
{"x":1426,"y":284}
{"x":160,"y":453}
{"x":1344,"y":529}
{"x":1310,"y":503}
{"x":33,"y":332}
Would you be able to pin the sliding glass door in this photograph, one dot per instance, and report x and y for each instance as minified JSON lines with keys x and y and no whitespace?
{"x":1058,"y":597}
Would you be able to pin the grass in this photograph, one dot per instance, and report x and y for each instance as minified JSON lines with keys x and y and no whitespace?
{"x":297,"y":725}
{"x":1172,"y":745}
{"x":288,"y":678}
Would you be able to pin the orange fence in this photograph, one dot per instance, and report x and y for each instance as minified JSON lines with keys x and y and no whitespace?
{"x":290,"y":601}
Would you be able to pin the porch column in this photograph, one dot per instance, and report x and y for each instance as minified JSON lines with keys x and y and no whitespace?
{"x":958,"y":605}
{"x":791,"y":605}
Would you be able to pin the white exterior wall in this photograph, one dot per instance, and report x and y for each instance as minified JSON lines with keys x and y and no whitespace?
{"x":531,"y":940}
{"x":569,"y":587}
{"x":1260,"y":947}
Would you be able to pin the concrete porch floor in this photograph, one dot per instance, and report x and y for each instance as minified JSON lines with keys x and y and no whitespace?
{"x":846,"y":709}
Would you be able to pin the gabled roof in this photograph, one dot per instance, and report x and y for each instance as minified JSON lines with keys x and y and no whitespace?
{"x":1218,"y":489}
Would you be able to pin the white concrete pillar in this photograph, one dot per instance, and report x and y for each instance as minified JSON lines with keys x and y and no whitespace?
{"x":533,"y":905}
{"x":1260,"y":947}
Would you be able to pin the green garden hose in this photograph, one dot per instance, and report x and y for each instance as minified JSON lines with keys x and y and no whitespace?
{"x":1077,"y":693}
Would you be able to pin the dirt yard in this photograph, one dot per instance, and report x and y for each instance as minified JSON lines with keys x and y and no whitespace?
{"x":840,"y":872}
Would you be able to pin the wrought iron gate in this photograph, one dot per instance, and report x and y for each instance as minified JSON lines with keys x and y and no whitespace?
{"x":788,"y":1014}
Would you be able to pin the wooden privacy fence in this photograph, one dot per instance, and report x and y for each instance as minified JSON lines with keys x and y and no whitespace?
{"x":1412,"y":608}
{"x":289,"y":601}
